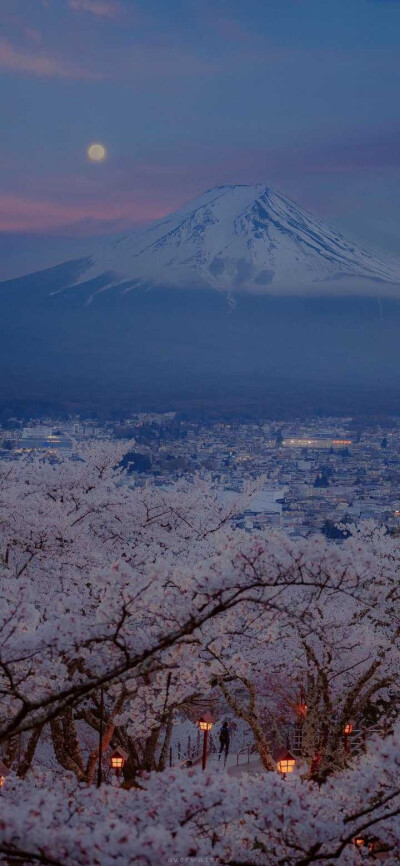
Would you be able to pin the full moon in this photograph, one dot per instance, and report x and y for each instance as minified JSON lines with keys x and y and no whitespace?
{"x":96,"y":152}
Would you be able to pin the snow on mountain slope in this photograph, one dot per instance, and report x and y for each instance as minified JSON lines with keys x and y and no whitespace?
{"x":246,"y":238}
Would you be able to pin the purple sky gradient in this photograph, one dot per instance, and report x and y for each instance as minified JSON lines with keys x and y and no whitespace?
{"x":185,"y":95}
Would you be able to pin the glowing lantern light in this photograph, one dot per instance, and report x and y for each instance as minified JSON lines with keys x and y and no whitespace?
{"x":285,"y":761}
{"x":347,"y":730}
{"x":205,"y":724}
{"x":359,"y":841}
{"x":3,"y":774}
{"x":117,"y":760}
{"x":287,"y":765}
{"x":301,"y":710}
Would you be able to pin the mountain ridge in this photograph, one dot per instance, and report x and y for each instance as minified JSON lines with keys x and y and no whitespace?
{"x":174,"y":316}
{"x":245,"y":238}
{"x":235,"y":238}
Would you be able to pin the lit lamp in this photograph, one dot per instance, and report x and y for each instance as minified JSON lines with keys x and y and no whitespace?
{"x":285,"y":761}
{"x":347,"y":730}
{"x":359,"y":841}
{"x":117,"y":760}
{"x":301,"y":710}
{"x":3,"y":773}
{"x":205,"y":724}
{"x":301,"y":707}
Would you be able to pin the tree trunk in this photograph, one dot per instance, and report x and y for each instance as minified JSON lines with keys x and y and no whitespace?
{"x":310,"y":742}
{"x":26,"y":762}
{"x":333,"y":756}
{"x":109,"y":730}
{"x":71,"y":737}
{"x":249,"y":715}
{"x":11,"y":753}
{"x":63,"y":756}
{"x":149,"y":750}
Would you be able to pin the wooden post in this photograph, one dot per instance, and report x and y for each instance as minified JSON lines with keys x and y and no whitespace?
{"x":100,"y":765}
{"x":205,"y":743}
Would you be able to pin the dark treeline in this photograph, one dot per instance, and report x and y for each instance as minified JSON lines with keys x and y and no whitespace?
{"x":249,"y":401}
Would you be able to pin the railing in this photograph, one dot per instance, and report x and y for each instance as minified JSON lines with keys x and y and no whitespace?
{"x":193,"y":752}
{"x":356,"y":741}
{"x":184,"y":759}
{"x":190,"y":762}
{"x":245,"y":750}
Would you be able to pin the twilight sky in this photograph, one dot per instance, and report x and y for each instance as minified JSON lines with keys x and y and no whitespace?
{"x":187,"y":94}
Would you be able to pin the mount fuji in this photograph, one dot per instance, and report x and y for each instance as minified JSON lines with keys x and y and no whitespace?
{"x":240,"y":238}
{"x":241,"y":297}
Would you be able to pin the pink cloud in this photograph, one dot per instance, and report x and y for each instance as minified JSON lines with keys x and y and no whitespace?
{"x":33,"y":35}
{"x":42,"y":65}
{"x":229,"y":29}
{"x":21,"y":214}
{"x":101,"y":8}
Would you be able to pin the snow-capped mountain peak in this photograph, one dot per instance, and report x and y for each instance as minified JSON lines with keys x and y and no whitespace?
{"x":245,"y":238}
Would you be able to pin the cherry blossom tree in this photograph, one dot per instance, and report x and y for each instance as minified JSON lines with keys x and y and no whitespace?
{"x":188,"y":816}
{"x":144,"y":602}
{"x":63,"y":525}
{"x":326,"y":672}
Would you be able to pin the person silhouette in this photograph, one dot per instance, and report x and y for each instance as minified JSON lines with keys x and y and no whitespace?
{"x":224,"y":741}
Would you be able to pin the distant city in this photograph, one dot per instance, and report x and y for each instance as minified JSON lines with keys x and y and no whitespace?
{"x":316,"y":476}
